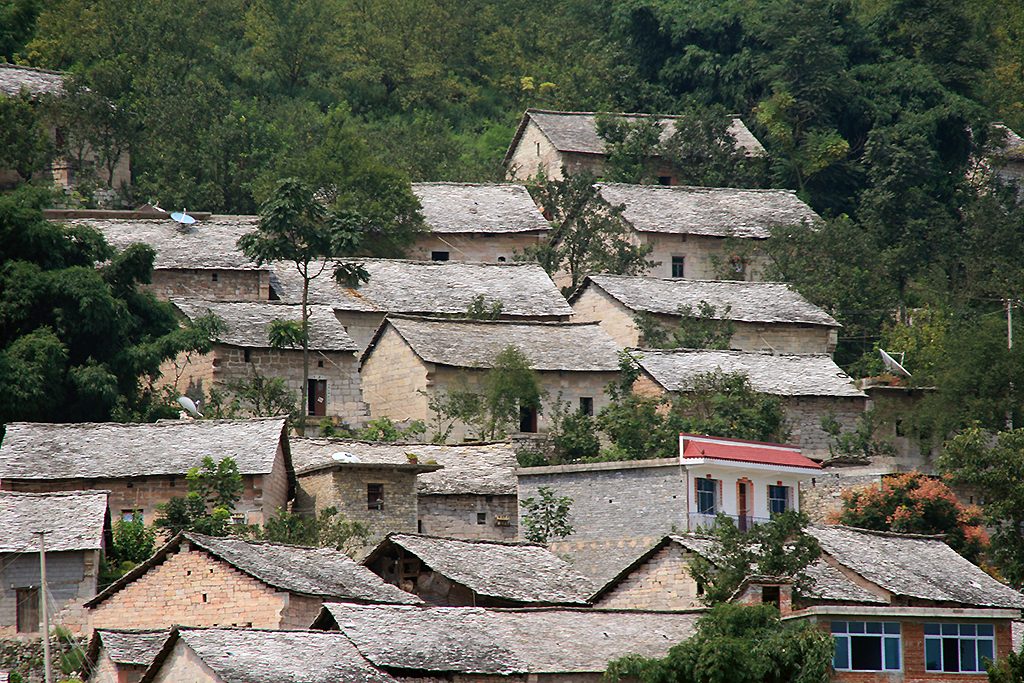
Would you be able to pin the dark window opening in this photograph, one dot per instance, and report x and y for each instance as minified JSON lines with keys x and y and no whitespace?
{"x":481,"y":518}
{"x":316,"y":397}
{"x":419,"y":526}
{"x":319,"y":363}
{"x":527,"y":419}
{"x":866,"y":653}
{"x":587,"y":405}
{"x":664,"y":180}
{"x":501,"y":259}
{"x":375,"y":496}
{"x":538,"y":148}
{"x":213,"y":277}
{"x":439,"y":256}
{"x":204,"y":597}
{"x":771,"y":595}
{"x":28,"y":610}
{"x":678,"y":268}
{"x":248,"y":355}
{"x":778,"y":499}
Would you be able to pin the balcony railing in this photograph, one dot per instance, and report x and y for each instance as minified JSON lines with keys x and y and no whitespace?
{"x":702,"y":522}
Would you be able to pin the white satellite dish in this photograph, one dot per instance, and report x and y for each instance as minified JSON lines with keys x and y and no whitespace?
{"x":182,"y":217}
{"x":189,"y":405}
{"x":892,"y":365}
{"x":345,"y":456}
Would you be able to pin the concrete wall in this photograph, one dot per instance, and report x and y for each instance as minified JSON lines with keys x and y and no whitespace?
{"x":705,"y":256}
{"x":663,"y":582}
{"x":478,"y":247}
{"x":458,"y":516}
{"x":184,"y":665}
{"x":71,"y":579}
{"x":218,"y":285}
{"x":615,"y":500}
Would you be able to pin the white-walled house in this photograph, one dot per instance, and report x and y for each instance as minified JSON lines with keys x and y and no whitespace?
{"x":747,"y":480}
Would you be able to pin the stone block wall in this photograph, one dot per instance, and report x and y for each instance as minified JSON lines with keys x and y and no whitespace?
{"x":392,"y":378}
{"x":700,"y":255}
{"x":475,"y":247}
{"x":218,"y":285}
{"x":784,"y":338}
{"x":594,"y":304}
{"x":360,"y":326}
{"x":183,"y":664}
{"x":804,"y":414}
{"x":459,"y":516}
{"x":822,"y":496}
{"x":663,"y":582}
{"x":534,"y":153}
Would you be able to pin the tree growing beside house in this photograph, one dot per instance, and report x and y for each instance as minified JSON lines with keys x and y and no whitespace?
{"x":546,"y":516}
{"x":703,"y":327}
{"x":213,"y":490}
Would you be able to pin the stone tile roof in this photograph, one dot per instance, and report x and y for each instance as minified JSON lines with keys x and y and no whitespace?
{"x":708,"y":211}
{"x":1012,"y":147}
{"x":476,"y":469}
{"x":14,"y":79}
{"x":701,"y":545}
{"x":138,"y":648}
{"x":754,"y":302}
{"x":473,"y":640}
{"x":112,"y":450}
{"x":479,"y":208}
{"x":317,"y":572}
{"x":247,"y":323}
{"x":776,"y":374}
{"x":74,"y":520}
{"x":518,"y":572}
{"x":827,"y":583}
{"x":916,"y":567}
{"x":264,"y":656}
{"x":581,"y":347}
{"x":432,"y":287}
{"x":576,"y":131}
{"x":209,"y":244}
{"x":601,"y":560}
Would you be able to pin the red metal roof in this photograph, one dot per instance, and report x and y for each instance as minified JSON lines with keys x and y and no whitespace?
{"x":745,"y":451}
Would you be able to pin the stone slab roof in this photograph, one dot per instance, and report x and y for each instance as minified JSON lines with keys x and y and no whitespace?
{"x":247,"y":323}
{"x":707,"y":211}
{"x":74,"y":520}
{"x":472,"y":640}
{"x":829,"y":584}
{"x":776,"y":374}
{"x":753,"y":302}
{"x":432,"y":287}
{"x":576,"y":131}
{"x":264,"y":656}
{"x":551,"y":346}
{"x":125,"y":647}
{"x":519,"y":572}
{"x":1012,"y":147}
{"x":916,"y":567}
{"x":112,"y":450}
{"x":14,"y":79}
{"x":475,"y":469}
{"x":210,"y":244}
{"x":496,"y":208}
{"x":601,"y":560}
{"x":701,"y":545}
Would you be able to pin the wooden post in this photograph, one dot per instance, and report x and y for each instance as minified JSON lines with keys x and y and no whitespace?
{"x":43,"y":612}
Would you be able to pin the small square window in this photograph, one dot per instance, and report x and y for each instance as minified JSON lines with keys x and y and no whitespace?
{"x":131,"y":515}
{"x":481,"y":518}
{"x":678,"y":266}
{"x":439,"y":256}
{"x":664,"y":180}
{"x":375,"y":496}
{"x":319,"y":363}
{"x":213,"y":277}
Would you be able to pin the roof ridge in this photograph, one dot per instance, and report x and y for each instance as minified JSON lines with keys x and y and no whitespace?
{"x":732,"y":352}
{"x":442,"y":264}
{"x":691,"y":188}
{"x":456,"y":183}
{"x":163,"y":422}
{"x":192,"y":535}
{"x":505,"y":323}
{"x":396,"y":444}
{"x":890,"y":534}
{"x":479,"y":541}
{"x":665,"y":278}
{"x":51,"y":494}
{"x":25,"y":67}
{"x":532,"y":110}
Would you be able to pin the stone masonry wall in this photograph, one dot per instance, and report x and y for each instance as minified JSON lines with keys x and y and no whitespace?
{"x":184,"y":665}
{"x":71,"y":580}
{"x":595,"y":304}
{"x":219,"y":285}
{"x":821,"y":497}
{"x":476,"y":247}
{"x":392,"y":378}
{"x":804,"y":414}
{"x":300,"y":611}
{"x":458,"y":516}
{"x":661,"y":583}
{"x":534,"y":153}
{"x":700,"y":254}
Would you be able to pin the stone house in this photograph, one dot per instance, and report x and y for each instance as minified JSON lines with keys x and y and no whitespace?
{"x":464,"y":491}
{"x":705,"y":233}
{"x":765,"y":316}
{"x":472,"y":644}
{"x":143,"y":465}
{"x":122,"y":656}
{"x":66,"y":168}
{"x":201,"y":260}
{"x":456,"y":572}
{"x":243,"y":350}
{"x":1008,"y":161}
{"x":77,"y":529}
{"x":550,"y":141}
{"x":523,"y":291}
{"x":411,"y":359}
{"x":227,"y":655}
{"x":198,"y":580}
{"x":491,"y":222}
{"x":811,"y":386}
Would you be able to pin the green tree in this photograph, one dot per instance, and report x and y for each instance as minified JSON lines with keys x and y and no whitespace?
{"x":509,"y":386}
{"x":546,"y":516}
{"x":213,"y":490}
{"x":1008,"y":669}
{"x":25,"y":145}
{"x":17,"y":22}
{"x":133,"y":544}
{"x":703,"y":328}
{"x":330,"y":529}
{"x":632,"y":147}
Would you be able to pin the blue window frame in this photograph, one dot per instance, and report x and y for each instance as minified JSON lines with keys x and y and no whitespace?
{"x":707,"y":496}
{"x":958,"y":648}
{"x":867,"y":646}
{"x":778,"y":499}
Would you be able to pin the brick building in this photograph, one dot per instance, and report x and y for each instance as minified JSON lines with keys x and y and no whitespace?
{"x":221,"y":655}
{"x":198,"y":580}
{"x":811,"y":386}
{"x":455,"y":572}
{"x":411,"y":359}
{"x":523,"y":291}
{"x":706,"y":233}
{"x":491,"y":222}
{"x":765,"y":316}
{"x":242,"y":350}
{"x":549,"y":141}
{"x":143,"y":465}
{"x":77,"y":529}
{"x":467,"y":644}
{"x":122,"y":656}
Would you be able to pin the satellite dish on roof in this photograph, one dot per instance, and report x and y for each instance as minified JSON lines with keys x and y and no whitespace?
{"x":345,"y":456}
{"x":892,"y":365}
{"x":189,"y":405}
{"x":182,"y":217}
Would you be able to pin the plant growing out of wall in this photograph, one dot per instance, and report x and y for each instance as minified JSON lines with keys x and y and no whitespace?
{"x":480,"y":309}
{"x":133,"y":543}
{"x":705,"y":327}
{"x":546,"y":516}
{"x":213,"y":490}
{"x":858,"y":445}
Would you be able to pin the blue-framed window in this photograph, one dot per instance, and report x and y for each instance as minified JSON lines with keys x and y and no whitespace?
{"x":867,"y":646}
{"x":778,"y":499}
{"x":958,"y":648}
{"x":707,"y":496}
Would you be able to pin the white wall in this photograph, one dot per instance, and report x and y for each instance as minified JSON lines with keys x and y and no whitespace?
{"x":757,"y":490}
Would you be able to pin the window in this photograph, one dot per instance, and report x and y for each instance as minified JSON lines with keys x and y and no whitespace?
{"x":375,"y":496}
{"x":213,"y":277}
{"x":778,"y":499}
{"x":677,"y":266}
{"x":587,"y":405}
{"x":707,"y":495}
{"x":238,"y":518}
{"x":28,"y":609}
{"x":131,"y":515}
{"x":527,"y":419}
{"x":419,"y":526}
{"x":502,"y":259}
{"x":316,"y":397}
{"x":866,"y":645}
{"x":247,"y":353}
{"x":958,"y":648}
{"x":664,"y":180}
{"x":319,"y":363}
{"x":481,"y":518}
{"x":538,"y":148}
{"x":439,"y":256}
{"x":771,"y":595}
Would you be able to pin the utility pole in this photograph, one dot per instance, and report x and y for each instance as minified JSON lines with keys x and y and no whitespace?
{"x":44,"y":615}
{"x":1009,"y":346}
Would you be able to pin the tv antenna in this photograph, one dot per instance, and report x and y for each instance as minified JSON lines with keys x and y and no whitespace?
{"x":189,"y":405}
{"x":892,"y":365}
{"x":182,"y":217}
